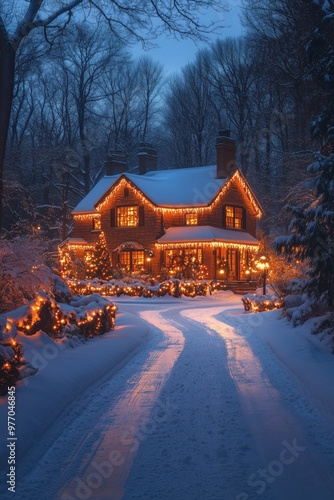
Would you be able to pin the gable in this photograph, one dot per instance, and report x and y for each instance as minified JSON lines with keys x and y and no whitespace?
{"x":168,"y":190}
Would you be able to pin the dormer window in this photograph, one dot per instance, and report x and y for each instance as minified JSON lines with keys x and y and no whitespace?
{"x":97,"y":224}
{"x":234,"y":217}
{"x":192,"y":219}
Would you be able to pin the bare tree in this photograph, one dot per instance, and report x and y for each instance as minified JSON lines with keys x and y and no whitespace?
{"x":190,"y":114}
{"x":151,"y":82}
{"x":135,"y":20}
{"x":83,"y":57}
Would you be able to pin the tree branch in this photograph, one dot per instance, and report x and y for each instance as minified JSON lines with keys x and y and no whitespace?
{"x":28,"y":22}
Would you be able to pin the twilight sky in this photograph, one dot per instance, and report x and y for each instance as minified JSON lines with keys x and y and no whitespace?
{"x":174,"y":54}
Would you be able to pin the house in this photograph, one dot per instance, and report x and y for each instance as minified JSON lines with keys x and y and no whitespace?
{"x":157,"y":219}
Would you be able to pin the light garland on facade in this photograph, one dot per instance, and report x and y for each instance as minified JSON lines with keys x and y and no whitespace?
{"x":177,"y":210}
{"x":91,"y":215}
{"x":212,"y":244}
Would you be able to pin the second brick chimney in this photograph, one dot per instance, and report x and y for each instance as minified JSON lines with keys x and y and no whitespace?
{"x":115,"y":163}
{"x":147,"y":158}
{"x":226,"y":154}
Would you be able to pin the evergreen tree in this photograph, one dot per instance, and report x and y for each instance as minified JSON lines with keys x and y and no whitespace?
{"x":312,"y":228}
{"x":99,"y":264}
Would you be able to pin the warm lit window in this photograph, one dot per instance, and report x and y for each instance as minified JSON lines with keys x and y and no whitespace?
{"x":125,"y":260}
{"x":127,"y":216}
{"x":179,"y":258}
{"x":191,"y":219}
{"x":234,"y":217}
{"x":137,"y":260}
{"x":132,"y":260}
{"x":192,"y":255}
{"x":97,"y":224}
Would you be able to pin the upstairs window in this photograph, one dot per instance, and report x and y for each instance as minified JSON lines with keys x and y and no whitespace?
{"x":96,"y":224}
{"x":191,"y":219}
{"x":126,"y":192}
{"x":127,"y":216}
{"x":234,"y":217}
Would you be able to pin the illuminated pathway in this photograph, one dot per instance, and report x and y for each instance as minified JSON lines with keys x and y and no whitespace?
{"x":199,"y":413}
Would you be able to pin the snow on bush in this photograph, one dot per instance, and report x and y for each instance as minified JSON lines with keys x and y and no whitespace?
{"x":68,"y":324}
{"x":260,"y":303}
{"x":138,"y":288}
{"x":12,"y":365}
{"x":89,"y":316}
{"x":23,"y":272}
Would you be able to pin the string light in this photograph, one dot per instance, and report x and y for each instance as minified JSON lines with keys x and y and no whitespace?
{"x":212,"y":244}
{"x":86,"y":216}
{"x":124,"y":182}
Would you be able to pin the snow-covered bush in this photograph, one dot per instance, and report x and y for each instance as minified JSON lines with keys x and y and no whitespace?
{"x":12,"y":365}
{"x":260,"y":303}
{"x":281,"y":269}
{"x":324,"y":327}
{"x":22,"y":272}
{"x":89,"y":316}
{"x":138,"y":288}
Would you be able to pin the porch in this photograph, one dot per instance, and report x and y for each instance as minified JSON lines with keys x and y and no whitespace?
{"x":225,"y":253}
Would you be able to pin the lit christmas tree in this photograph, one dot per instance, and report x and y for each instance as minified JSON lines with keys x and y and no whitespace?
{"x":98,"y":261}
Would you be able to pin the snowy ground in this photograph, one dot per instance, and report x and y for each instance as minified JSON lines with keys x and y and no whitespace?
{"x":218,"y":404}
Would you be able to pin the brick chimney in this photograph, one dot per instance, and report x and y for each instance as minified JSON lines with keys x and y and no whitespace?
{"x":115,"y":163}
{"x":226,"y":152}
{"x":147,"y":158}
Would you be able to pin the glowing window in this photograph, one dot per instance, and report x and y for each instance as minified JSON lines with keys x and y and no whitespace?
{"x":191,"y":219}
{"x":125,"y":260}
{"x":137,"y":260}
{"x":97,"y":224}
{"x":234,"y":217}
{"x":193,"y":255}
{"x":127,"y":216}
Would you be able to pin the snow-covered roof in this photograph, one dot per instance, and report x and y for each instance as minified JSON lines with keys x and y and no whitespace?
{"x":182,"y":187}
{"x":188,"y":234}
{"x":74,"y":241}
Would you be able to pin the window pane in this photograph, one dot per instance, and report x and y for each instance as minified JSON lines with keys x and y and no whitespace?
{"x":127,"y":216}
{"x":191,"y":219}
{"x":238,"y":223}
{"x":234,"y":217}
{"x":137,"y":261}
{"x":229,"y":211}
{"x":97,"y":224}
{"x":124,"y":259}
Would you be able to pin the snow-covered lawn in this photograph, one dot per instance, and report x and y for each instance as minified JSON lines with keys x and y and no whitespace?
{"x":63,"y":374}
{"x":218,"y":404}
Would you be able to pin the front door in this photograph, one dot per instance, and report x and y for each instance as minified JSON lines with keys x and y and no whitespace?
{"x":232,"y":256}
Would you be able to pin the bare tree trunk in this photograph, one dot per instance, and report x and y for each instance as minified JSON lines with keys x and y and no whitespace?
{"x":7,"y":68}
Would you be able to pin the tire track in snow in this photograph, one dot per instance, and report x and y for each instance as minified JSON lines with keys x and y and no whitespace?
{"x":270,"y":420}
{"x":75,"y":455}
{"x":132,"y":409}
{"x":204,"y":451}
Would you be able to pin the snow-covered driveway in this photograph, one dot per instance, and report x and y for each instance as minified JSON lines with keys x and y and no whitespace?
{"x":205,"y":411}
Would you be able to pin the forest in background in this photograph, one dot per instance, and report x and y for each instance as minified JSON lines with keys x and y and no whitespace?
{"x":81,"y":94}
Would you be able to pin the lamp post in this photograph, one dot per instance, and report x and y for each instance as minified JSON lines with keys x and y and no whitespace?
{"x":263,"y":264}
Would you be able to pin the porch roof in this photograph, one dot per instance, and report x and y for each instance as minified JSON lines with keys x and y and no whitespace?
{"x":73,"y":241}
{"x":206,"y":234}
